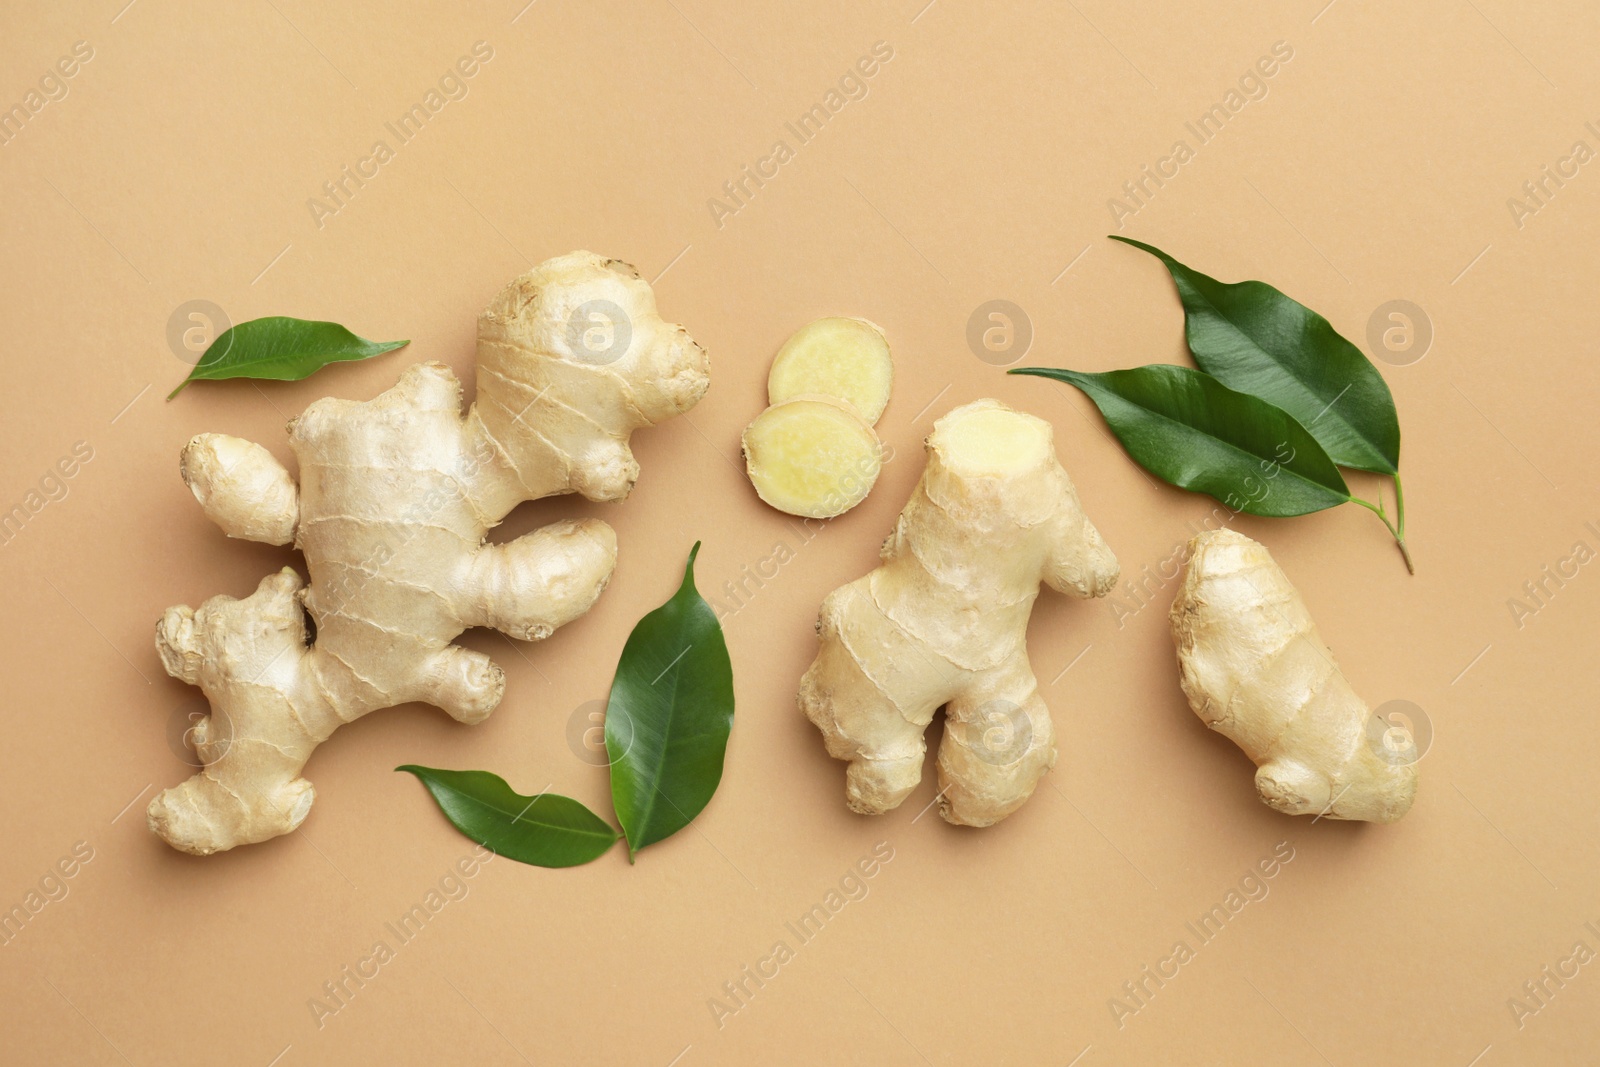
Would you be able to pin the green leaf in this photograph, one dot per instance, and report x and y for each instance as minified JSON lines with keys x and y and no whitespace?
{"x":546,"y":830}
{"x":669,"y":716}
{"x":1253,"y":338}
{"x":1189,"y":429}
{"x":282,"y":349}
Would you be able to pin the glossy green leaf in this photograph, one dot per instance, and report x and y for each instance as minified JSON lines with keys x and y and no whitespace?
{"x":282,"y":349}
{"x":1254,"y":339}
{"x":669,"y":716}
{"x":546,"y":830}
{"x":1187,"y":428}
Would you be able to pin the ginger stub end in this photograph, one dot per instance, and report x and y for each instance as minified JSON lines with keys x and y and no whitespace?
{"x":991,"y":443}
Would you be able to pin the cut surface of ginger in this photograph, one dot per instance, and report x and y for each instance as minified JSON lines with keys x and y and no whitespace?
{"x":991,"y":442}
{"x":847,"y":359}
{"x":812,"y":456}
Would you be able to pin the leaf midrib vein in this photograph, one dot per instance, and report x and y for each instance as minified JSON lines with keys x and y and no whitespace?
{"x":1338,"y":417}
{"x":648,"y":811}
{"x":521,"y":817}
{"x":1228,"y":444}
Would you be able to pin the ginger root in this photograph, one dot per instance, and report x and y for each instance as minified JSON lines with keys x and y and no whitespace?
{"x":813,"y":452}
{"x":944,"y":619}
{"x":1256,"y":670}
{"x":394,"y":501}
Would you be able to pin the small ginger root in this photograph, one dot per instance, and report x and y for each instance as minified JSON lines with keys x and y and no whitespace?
{"x":944,"y":619}
{"x":843,"y":358}
{"x":1256,"y":670}
{"x":813,"y":452}
{"x":395,"y":498}
{"x":812,"y":456}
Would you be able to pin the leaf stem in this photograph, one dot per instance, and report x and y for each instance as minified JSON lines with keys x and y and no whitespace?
{"x":1399,"y":534}
{"x":1399,"y":505}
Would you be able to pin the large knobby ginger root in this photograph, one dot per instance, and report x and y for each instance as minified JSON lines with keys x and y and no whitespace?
{"x":944,"y":619}
{"x":813,"y":451}
{"x":395,"y":498}
{"x":1256,"y":670}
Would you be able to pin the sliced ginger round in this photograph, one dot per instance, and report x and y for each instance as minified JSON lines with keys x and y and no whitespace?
{"x":812,"y":456}
{"x":847,"y":359}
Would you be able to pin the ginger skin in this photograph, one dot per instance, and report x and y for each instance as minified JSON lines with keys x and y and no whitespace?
{"x":395,"y":498}
{"x":1256,"y":670}
{"x":943,"y":621}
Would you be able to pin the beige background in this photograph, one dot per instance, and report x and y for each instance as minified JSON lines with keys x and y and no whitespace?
{"x":978,"y":167}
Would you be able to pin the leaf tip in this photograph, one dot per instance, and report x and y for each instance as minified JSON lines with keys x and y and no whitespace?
{"x":179,"y":389}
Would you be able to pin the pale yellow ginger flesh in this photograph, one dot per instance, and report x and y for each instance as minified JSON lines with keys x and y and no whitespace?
{"x":843,"y":358}
{"x":943,"y":622}
{"x":813,"y":452}
{"x":1256,"y":670}
{"x":812,"y":456}
{"x":394,"y":500}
